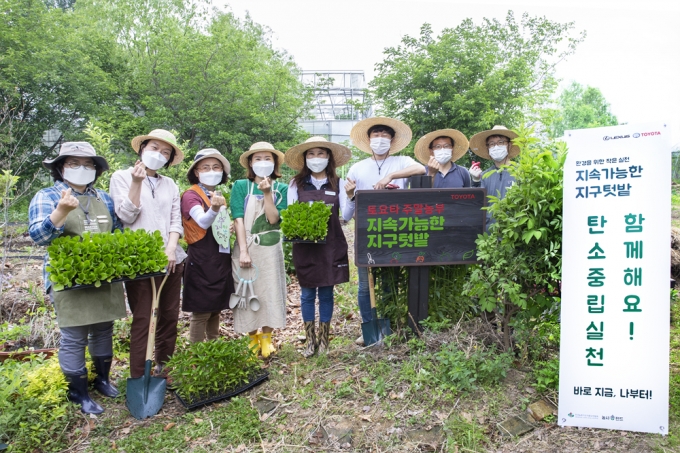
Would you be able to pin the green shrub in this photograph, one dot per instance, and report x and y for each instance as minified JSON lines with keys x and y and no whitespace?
{"x":209,"y":368}
{"x":94,"y":258}
{"x":459,"y":371}
{"x":547,"y":375}
{"x":34,"y":411}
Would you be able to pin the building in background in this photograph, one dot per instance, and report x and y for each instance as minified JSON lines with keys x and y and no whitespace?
{"x":340,"y":101}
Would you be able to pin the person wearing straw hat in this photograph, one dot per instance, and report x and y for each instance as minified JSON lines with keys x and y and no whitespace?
{"x":146,"y":200}
{"x":207,"y":273}
{"x":71,"y":207}
{"x":382,"y":138}
{"x":255,"y":206}
{"x":319,"y":267}
{"x":438,"y":151}
{"x":495,"y":145}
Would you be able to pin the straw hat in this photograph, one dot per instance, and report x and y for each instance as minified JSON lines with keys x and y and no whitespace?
{"x":478,"y":142}
{"x":256,"y":148}
{"x":77,"y":149}
{"x":295,"y":158}
{"x":401,"y":139}
{"x":208,"y":153}
{"x":460,"y":144}
{"x":164,"y":136}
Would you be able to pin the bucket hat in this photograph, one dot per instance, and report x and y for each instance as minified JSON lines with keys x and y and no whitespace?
{"x":210,"y":153}
{"x":76,"y":149}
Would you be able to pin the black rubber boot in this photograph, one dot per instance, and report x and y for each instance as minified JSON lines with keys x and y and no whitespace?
{"x":77,"y":393}
{"x":102,"y":366}
{"x":310,"y":345}
{"x":324,"y":331}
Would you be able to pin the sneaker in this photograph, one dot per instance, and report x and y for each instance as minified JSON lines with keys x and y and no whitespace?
{"x":359,"y":341}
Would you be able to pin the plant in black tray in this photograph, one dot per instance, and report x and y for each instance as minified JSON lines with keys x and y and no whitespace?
{"x":205,"y":370}
{"x":103,"y":257}
{"x":305,"y":221}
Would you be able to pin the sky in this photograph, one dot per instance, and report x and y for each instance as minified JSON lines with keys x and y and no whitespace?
{"x":631,"y":52}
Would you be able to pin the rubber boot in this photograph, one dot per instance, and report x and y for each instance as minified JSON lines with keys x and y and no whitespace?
{"x":310,"y":345}
{"x":266,"y":344}
{"x":102,"y":366}
{"x":77,"y":393}
{"x":324,"y":330}
{"x":254,"y":344}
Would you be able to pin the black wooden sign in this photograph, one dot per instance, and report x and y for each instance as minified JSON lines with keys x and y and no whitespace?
{"x":418,"y":227}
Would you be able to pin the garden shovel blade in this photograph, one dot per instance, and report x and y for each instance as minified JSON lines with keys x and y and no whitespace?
{"x":376,"y":329}
{"x":235,"y":298}
{"x":145,"y":395}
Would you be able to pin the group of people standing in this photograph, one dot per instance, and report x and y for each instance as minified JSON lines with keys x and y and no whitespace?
{"x":205,"y":275}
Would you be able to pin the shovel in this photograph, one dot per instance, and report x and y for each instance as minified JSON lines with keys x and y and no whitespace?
{"x":253,"y":301}
{"x":378,"y":328}
{"x":145,"y":395}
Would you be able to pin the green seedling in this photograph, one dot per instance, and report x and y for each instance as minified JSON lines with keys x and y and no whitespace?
{"x":306,"y":221}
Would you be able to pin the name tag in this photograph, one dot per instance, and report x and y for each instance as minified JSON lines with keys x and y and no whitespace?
{"x":330,"y":192}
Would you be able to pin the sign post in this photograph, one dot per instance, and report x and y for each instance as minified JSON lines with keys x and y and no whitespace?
{"x":418,"y":228}
{"x":614,"y":350}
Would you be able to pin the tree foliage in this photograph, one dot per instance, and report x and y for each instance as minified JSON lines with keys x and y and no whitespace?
{"x":521,"y":257}
{"x":580,"y":108}
{"x":134,"y":65}
{"x":473,"y":76}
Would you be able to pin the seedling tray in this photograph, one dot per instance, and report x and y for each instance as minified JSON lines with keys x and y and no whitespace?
{"x":304,"y":241}
{"x":193,"y":405}
{"x":116,"y":280}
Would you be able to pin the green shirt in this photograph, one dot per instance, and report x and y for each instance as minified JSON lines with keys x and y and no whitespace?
{"x":241,"y":189}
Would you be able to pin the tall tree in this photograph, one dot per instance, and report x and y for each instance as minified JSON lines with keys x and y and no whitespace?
{"x":203,"y":72}
{"x":52,"y":75}
{"x":475,"y":75}
{"x":580,"y":107}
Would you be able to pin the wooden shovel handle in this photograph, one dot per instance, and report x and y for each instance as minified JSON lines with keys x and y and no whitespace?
{"x":156,"y":295}
{"x":371,"y":287}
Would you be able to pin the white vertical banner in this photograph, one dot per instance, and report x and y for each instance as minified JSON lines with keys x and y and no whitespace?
{"x":614,"y":348}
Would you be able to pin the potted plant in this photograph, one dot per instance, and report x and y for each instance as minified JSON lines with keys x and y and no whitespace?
{"x":206,"y":372}
{"x":306,"y":222}
{"x":79,"y":262}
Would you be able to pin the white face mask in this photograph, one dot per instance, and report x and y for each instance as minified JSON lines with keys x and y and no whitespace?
{"x":210,"y":178}
{"x":317,"y":164}
{"x":79,"y":176}
{"x":263,"y":168}
{"x":442,"y":155}
{"x":498,"y":153}
{"x":380,"y":145}
{"x":153,"y":160}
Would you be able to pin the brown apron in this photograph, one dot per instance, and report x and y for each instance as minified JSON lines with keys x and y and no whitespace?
{"x":208,"y":281}
{"x":81,"y":307}
{"x":318,"y":265}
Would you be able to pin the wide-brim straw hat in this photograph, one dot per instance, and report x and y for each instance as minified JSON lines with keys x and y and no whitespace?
{"x":460,"y":144}
{"x":360,"y":139}
{"x":77,"y":149}
{"x":210,"y":153}
{"x":295,"y":157}
{"x":256,"y":148}
{"x":164,"y":136}
{"x":478,"y":142}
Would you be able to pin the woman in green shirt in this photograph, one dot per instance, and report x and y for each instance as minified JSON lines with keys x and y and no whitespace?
{"x":255,"y":206}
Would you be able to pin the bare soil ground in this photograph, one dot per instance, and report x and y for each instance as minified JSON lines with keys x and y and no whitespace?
{"x":355,"y":399}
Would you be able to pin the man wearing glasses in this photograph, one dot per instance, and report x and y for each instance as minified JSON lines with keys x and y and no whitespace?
{"x":438,"y":151}
{"x":496,"y":145}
